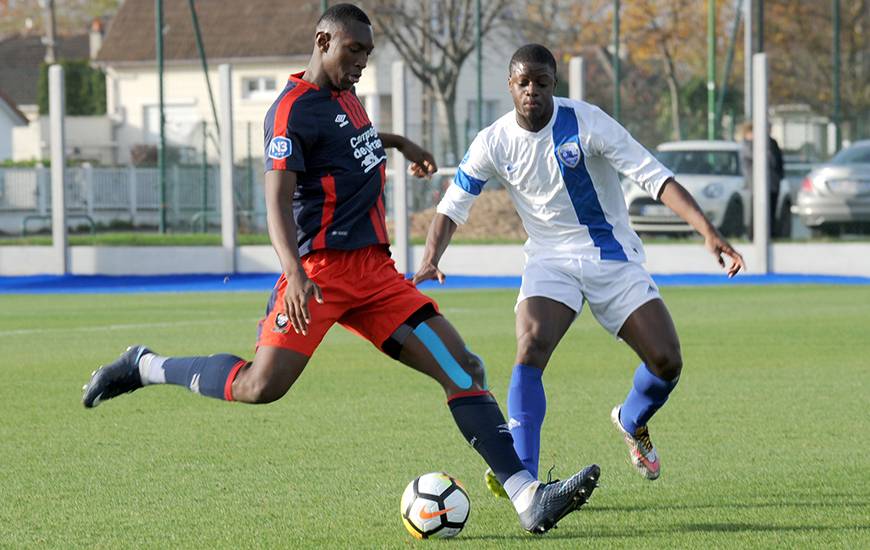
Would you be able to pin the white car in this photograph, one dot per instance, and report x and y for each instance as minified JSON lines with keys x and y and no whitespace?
{"x":711,"y":172}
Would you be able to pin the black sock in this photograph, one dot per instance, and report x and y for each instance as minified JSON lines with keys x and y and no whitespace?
{"x":483,"y":425}
{"x":212,"y":375}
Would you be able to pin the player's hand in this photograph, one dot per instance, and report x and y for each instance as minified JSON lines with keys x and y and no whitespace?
{"x":422,"y":162}
{"x":718,"y":246}
{"x":428,"y":272}
{"x":299,"y":289}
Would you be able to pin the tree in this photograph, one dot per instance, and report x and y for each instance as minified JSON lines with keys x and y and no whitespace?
{"x":71,"y":16}
{"x":435,"y":39}
{"x":799,"y":41}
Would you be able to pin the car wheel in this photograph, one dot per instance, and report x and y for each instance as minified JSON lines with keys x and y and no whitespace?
{"x":732,"y":223}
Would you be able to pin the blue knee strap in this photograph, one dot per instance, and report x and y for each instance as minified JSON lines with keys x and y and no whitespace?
{"x":442,"y":356}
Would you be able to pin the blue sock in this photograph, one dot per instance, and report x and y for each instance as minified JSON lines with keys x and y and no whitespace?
{"x":527,"y":405}
{"x":647,"y":395}
{"x":212,"y":376}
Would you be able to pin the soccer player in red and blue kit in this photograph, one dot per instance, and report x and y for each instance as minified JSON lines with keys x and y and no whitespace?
{"x":324,"y":193}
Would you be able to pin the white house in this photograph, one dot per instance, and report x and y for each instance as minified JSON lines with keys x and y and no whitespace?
{"x":10,"y":117}
{"x":264,"y":41}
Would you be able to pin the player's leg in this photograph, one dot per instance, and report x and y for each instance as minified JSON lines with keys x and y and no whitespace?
{"x":405,"y":324}
{"x":650,"y":332}
{"x":435,"y":348}
{"x":280,"y":358}
{"x":626,"y":301}
{"x":540,"y":325}
{"x":548,"y":301}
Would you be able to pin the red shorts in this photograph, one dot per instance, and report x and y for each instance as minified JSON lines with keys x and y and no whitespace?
{"x":362,"y":291}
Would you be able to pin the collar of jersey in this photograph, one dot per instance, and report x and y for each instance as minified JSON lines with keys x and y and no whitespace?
{"x":540,"y":134}
{"x":297,"y":78}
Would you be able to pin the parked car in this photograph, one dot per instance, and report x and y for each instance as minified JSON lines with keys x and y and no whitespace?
{"x":711,"y":172}
{"x":836,"y":195}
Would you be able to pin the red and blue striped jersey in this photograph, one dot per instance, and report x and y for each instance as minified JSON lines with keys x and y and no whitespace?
{"x":326,"y":137}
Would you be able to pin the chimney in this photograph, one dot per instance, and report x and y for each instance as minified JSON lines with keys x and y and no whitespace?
{"x":96,"y":37}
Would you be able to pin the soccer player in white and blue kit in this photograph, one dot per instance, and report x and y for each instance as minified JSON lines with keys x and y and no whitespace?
{"x":560,"y":161}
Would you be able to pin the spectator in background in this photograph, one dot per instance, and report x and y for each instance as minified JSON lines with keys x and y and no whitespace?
{"x":775,"y":168}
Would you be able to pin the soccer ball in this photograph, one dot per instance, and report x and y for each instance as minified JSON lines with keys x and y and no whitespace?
{"x":435,"y":505}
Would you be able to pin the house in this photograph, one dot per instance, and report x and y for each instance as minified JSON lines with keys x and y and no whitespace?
{"x":10,"y":117}
{"x":21,"y":59}
{"x":264,"y":41}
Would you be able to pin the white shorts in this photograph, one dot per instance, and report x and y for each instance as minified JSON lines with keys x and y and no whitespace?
{"x":613,"y":289}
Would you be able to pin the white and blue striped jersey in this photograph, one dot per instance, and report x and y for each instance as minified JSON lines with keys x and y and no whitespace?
{"x":563,"y":180}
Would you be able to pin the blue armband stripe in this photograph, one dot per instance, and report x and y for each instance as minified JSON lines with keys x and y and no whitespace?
{"x":468,"y":183}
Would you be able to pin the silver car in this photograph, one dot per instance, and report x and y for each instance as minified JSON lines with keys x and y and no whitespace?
{"x":836,"y":195}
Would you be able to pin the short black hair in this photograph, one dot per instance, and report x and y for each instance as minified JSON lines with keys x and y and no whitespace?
{"x":533,"y":53}
{"x":341,"y":14}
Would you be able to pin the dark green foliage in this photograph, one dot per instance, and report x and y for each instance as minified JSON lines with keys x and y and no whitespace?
{"x":85,"y":89}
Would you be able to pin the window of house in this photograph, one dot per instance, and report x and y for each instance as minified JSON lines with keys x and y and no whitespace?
{"x":259,"y":87}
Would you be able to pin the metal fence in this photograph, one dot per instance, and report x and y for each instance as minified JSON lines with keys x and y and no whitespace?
{"x":118,"y":196}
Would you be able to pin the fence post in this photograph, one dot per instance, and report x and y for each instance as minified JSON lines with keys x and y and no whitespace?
{"x":132,"y":190}
{"x":228,"y":207}
{"x":90,"y":194}
{"x":43,"y":190}
{"x":760,"y":185}
{"x":401,"y":250}
{"x":176,"y":192}
{"x":57,"y":112}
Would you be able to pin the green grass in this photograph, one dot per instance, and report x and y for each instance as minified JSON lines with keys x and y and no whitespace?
{"x":764,"y":443}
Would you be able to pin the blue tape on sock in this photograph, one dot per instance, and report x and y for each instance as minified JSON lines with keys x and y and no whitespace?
{"x":442,"y":356}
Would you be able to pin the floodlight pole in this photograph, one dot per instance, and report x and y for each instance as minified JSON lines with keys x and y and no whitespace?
{"x":617,"y":99}
{"x":161,"y":147}
{"x":479,"y":53}
{"x":711,"y":69}
{"x":747,"y":61}
{"x":838,"y":136}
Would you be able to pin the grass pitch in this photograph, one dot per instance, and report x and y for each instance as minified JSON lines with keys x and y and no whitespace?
{"x":764,"y":443}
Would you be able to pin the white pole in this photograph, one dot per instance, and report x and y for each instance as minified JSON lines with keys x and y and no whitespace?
{"x":747,"y":60}
{"x":57,"y":111}
{"x":760,"y":186}
{"x":228,"y":207}
{"x":373,"y":108}
{"x":401,"y":250}
{"x":575,"y":79}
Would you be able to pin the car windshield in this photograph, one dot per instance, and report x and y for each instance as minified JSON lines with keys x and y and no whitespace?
{"x":715,"y":163}
{"x":853,"y":155}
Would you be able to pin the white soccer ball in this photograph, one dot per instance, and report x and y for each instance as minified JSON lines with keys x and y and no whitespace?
{"x":435,"y":505}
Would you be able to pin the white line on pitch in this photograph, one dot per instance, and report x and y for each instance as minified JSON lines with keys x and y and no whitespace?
{"x":25,"y":331}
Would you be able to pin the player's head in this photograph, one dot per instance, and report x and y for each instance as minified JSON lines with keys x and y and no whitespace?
{"x":532,"y":80}
{"x":343,"y":41}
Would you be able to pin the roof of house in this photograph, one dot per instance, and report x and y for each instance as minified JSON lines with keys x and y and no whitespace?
{"x":254,"y":28}
{"x":22,"y":56}
{"x":18,"y":117}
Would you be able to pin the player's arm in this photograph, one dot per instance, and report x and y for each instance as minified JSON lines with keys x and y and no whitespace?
{"x":279,"y":188}
{"x":440,"y":233}
{"x":674,"y":196}
{"x":629,"y":157}
{"x":422,"y":162}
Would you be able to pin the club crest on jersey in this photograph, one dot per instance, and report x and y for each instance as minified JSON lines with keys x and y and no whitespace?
{"x":280,"y":148}
{"x":569,"y":153}
{"x":281,"y":322}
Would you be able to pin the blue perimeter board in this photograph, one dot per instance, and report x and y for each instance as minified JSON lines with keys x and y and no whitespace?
{"x":263,"y":282}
